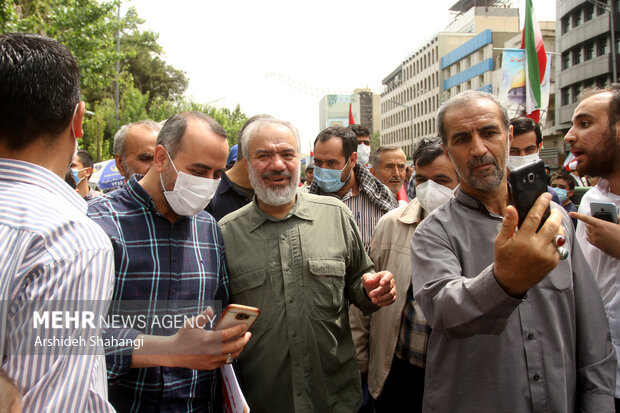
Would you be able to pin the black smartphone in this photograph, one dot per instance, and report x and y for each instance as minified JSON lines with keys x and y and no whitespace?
{"x":606,"y":211}
{"x":527,"y":183}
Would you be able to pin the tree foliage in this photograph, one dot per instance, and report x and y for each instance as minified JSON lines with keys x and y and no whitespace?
{"x":149,"y":87}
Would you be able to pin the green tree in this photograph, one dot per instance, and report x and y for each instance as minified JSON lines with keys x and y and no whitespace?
{"x":149,"y":88}
{"x":150,"y":73}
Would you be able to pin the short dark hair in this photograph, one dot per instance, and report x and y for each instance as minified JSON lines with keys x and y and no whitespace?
{"x":85,"y":158}
{"x":426,"y":151}
{"x":614,"y":106}
{"x":464,"y":98}
{"x":522,"y":125}
{"x":359,"y":130}
{"x":173,"y":130}
{"x":39,"y":88}
{"x":346,"y":135}
{"x":565,"y":176}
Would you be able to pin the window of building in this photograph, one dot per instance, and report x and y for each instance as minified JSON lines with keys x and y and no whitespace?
{"x":600,"y":10}
{"x":565,"y":60}
{"x":588,"y":12}
{"x":576,"y":55}
{"x":565,"y":24}
{"x":588,"y":51}
{"x":601,"y":46}
{"x":576,"y":18}
{"x":576,"y":91}
{"x":565,"y":96}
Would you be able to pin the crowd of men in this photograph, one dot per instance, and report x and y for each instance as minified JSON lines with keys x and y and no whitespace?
{"x":369,"y":301}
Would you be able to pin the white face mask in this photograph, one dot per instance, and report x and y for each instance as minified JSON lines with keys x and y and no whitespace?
{"x":363,"y":154}
{"x":517,"y":161}
{"x":191,"y":194}
{"x":433,"y":195}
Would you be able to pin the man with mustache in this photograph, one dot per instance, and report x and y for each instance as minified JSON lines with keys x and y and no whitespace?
{"x":595,"y":141}
{"x":514,"y":327}
{"x":388,"y":164}
{"x":299,"y":258}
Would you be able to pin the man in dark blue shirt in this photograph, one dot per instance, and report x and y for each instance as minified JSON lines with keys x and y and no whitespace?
{"x":169,"y":254}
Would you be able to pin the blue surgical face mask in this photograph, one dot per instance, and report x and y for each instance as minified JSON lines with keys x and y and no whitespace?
{"x":562,"y":194}
{"x":329,"y":179}
{"x":75,"y":174}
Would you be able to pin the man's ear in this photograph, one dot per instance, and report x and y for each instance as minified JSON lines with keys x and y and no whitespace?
{"x":88,"y":172}
{"x":510,"y":134}
{"x":618,"y":130}
{"x":76,"y":122}
{"x":160,"y":158}
{"x":372,"y":171}
{"x":353,"y":159}
{"x":445,"y":150}
{"x":119,"y":164}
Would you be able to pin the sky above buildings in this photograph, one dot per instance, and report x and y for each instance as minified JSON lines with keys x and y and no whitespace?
{"x":281,"y":56}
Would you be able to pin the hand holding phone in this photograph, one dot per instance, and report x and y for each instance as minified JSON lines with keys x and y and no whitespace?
{"x":235,"y":314}
{"x":527,"y":184}
{"x":606,"y":211}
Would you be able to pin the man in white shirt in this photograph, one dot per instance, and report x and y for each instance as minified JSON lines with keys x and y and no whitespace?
{"x":51,"y":255}
{"x":594,"y":139}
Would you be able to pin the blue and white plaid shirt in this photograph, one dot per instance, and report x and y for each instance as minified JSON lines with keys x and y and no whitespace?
{"x":161,"y":263}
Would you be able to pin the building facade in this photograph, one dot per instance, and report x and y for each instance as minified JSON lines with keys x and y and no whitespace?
{"x":583,"y":41}
{"x":334,"y":109}
{"x":461,"y":57}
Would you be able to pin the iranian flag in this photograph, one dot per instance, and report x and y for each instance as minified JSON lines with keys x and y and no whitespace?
{"x":535,"y":62}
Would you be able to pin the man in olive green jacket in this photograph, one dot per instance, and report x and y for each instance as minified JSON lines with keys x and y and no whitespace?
{"x":298,"y":257}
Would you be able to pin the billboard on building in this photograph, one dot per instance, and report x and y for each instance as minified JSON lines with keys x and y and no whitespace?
{"x":338,"y":109}
{"x":512,"y":84}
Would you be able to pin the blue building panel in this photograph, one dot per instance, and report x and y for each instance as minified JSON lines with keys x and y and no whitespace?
{"x":464,"y":50}
{"x":486,"y":88}
{"x":470,"y":73}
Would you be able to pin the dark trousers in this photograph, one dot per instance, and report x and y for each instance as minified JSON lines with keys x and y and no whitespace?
{"x":404,"y":386}
{"x":617,"y":405}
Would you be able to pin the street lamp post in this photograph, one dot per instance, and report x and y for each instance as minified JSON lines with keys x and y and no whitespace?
{"x":612,"y":35}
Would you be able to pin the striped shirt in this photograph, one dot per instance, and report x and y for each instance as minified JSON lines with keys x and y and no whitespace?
{"x":163,"y":264}
{"x":372,"y":201}
{"x":49,"y":250}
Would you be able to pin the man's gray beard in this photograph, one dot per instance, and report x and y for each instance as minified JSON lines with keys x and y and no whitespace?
{"x":128,"y":171}
{"x":488,"y":183}
{"x":274,"y":197}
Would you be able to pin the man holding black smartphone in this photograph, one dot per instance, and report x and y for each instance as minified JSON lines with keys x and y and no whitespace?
{"x":594,"y":139}
{"x":514,"y":327}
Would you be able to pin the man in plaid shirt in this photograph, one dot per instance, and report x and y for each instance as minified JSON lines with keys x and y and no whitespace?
{"x":169,"y":255}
